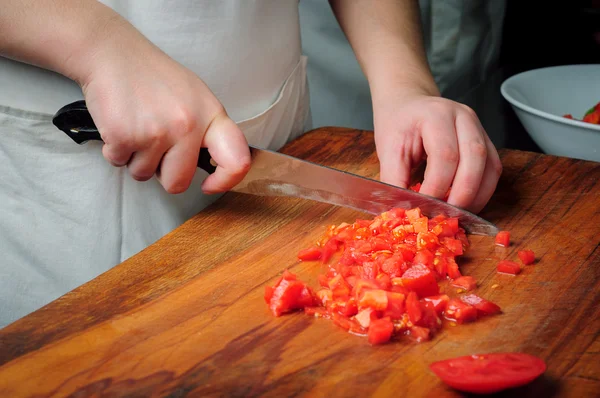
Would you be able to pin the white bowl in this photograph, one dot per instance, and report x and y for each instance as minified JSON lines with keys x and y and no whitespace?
{"x":541,"y":98}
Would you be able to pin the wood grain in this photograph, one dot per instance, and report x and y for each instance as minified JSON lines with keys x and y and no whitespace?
{"x":186,"y":315}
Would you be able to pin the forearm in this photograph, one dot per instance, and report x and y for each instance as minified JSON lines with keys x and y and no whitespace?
{"x":65,"y":36}
{"x":386,"y":38}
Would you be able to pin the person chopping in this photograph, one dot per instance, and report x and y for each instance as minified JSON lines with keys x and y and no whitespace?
{"x":163,"y":79}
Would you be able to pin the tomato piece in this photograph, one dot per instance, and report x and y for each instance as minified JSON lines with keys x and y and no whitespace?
{"x":329,"y":249}
{"x":343,"y":307}
{"x":421,"y":280}
{"x":503,"y":238}
{"x":424,"y":257}
{"x":429,"y":318}
{"x":375,"y":299}
{"x":289,"y":295}
{"x":427,"y":240}
{"x":392,"y":266}
{"x":568,"y":116}
{"x":439,"y":302}
{"x":413,"y":308}
{"x":452,"y":267}
{"x":454,"y":245}
{"x":526,"y":256}
{"x":323,"y":280}
{"x":421,"y":224}
{"x":483,"y":307}
{"x":440,"y":264}
{"x":459,"y":311}
{"x":420,"y":334}
{"x":268,"y":293}
{"x":339,"y":287}
{"x":364,"y":317}
{"x":413,"y":215}
{"x":508,"y":267}
{"x":384,"y":281}
{"x":395,"y":308}
{"x":361,"y":286}
{"x":593,"y":118}
{"x":380,"y":331}
{"x":324,"y":296}
{"x":489,"y":373}
{"x":310,"y":254}
{"x":465,"y":282}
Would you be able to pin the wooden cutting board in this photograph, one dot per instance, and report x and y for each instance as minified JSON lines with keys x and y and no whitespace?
{"x":187,"y":316}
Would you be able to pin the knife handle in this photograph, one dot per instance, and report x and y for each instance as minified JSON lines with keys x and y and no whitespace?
{"x":75,"y":120}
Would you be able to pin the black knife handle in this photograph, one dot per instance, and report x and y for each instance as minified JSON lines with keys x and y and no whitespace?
{"x":75,"y":120}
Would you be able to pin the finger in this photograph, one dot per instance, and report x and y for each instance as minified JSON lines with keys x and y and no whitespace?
{"x":178,"y":164}
{"x":441,"y":146}
{"x":117,"y":155}
{"x":227,"y":145}
{"x":397,"y":154}
{"x":491,"y":175}
{"x":473,"y":154}
{"x":144,"y":164}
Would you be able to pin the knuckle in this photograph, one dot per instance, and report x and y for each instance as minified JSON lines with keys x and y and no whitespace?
{"x":478,"y":149}
{"x":182,"y":121}
{"x":448,"y":155}
{"x":469,"y":111}
{"x":155,"y":135}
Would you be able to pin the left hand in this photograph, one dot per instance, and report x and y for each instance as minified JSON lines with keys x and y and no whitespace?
{"x":413,"y":127}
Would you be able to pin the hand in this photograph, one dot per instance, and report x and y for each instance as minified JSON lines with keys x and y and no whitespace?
{"x":154,"y":115}
{"x":459,"y":153}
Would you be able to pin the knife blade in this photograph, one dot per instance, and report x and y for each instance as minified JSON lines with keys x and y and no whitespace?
{"x":276,"y":174}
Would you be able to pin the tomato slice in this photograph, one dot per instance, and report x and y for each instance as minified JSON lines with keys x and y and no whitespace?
{"x":459,"y":311}
{"x":503,"y":238}
{"x":380,"y":331}
{"x":465,"y":282}
{"x":439,"y":302}
{"x":289,"y":294}
{"x":526,"y":256}
{"x":413,"y":307}
{"x":421,"y":280}
{"x":375,"y":299}
{"x":489,"y":373}
{"x":482,"y":306}
{"x":310,"y":254}
{"x":508,"y":267}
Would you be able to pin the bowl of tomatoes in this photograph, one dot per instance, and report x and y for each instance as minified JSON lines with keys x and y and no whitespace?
{"x":559,"y":107}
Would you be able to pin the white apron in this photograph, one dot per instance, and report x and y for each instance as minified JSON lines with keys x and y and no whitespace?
{"x":66,"y":215}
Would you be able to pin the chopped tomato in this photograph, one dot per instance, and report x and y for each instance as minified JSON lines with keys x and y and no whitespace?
{"x":380,"y":331}
{"x":509,"y":267}
{"x":489,"y":373}
{"x":310,"y":254}
{"x":526,"y":256}
{"x":421,"y":280}
{"x":454,"y":245}
{"x":439,"y":302}
{"x":460,"y":311}
{"x":386,"y":272}
{"x":364,"y":317}
{"x":413,"y":308}
{"x":467,"y":283}
{"x":482,"y":306}
{"x":503,"y":238}
{"x":375,"y":299}
{"x":420,"y":334}
{"x":289,"y":294}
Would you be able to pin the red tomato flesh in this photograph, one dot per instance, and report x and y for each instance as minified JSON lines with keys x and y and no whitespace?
{"x":503,"y":238}
{"x":527,"y":257}
{"x":310,"y":254}
{"x":467,"y":283}
{"x":459,"y":311}
{"x":380,"y":331}
{"x":509,"y":267}
{"x":421,"y":280}
{"x":489,"y":373}
{"x":482,"y":306}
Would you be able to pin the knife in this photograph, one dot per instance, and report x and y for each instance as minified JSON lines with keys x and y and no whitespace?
{"x":276,"y":174}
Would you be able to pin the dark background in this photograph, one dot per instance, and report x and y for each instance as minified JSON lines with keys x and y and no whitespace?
{"x":536,"y":34}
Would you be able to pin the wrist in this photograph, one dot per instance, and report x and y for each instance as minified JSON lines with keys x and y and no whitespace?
{"x":398,"y":86}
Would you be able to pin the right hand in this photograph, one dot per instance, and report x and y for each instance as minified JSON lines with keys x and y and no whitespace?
{"x":154,"y":115}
